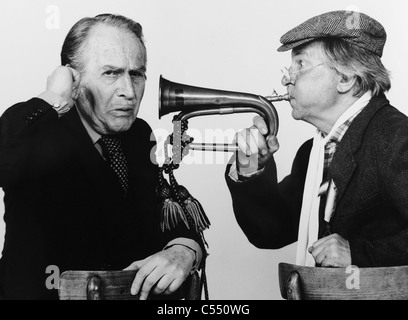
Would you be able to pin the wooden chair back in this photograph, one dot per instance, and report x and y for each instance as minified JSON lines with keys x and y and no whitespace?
{"x":351,"y":283}
{"x":115,"y":285}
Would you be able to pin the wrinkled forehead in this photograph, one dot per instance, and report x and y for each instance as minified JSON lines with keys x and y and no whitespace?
{"x":113,"y":46}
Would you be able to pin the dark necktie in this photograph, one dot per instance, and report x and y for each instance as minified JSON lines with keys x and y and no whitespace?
{"x":117,"y":159}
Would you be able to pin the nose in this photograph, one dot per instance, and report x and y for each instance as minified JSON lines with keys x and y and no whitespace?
{"x":285,"y":80}
{"x":286,"y":77}
{"x":126,"y":87}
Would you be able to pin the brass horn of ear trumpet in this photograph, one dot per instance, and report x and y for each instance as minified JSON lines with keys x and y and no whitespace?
{"x":192,"y":101}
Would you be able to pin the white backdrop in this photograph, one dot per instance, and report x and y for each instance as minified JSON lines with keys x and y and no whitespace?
{"x":222,"y":44}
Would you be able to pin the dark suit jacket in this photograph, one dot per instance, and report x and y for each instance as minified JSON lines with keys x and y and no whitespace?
{"x":370,"y":170}
{"x":64,"y":205}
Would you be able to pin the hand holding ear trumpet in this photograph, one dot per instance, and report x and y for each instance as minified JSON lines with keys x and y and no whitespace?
{"x":255,"y":148}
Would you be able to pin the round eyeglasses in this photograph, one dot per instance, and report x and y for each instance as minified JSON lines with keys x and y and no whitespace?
{"x":287,"y":74}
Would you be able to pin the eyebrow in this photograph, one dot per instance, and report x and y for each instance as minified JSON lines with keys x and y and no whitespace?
{"x":297,"y":52}
{"x":118,"y":69}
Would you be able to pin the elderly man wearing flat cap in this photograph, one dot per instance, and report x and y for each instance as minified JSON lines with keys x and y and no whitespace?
{"x":346,"y":199}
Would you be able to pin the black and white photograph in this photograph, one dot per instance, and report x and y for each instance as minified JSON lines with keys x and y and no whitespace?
{"x":217,"y":150}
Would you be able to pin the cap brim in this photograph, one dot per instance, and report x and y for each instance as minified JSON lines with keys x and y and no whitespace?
{"x":292,"y":45}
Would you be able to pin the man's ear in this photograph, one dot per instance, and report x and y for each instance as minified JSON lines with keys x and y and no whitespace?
{"x":75,"y":87}
{"x":75,"y":93}
{"x":346,"y":84}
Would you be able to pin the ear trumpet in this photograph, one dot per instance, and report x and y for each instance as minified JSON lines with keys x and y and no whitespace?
{"x":192,"y":101}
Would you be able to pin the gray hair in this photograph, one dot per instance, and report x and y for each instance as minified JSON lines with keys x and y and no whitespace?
{"x":353,"y":61}
{"x":77,"y":36}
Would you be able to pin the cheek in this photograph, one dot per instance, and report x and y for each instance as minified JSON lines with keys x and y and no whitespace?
{"x":94,"y":102}
{"x":139,"y":90}
{"x":103,"y":97}
{"x":315,"y":89}
{"x":305,"y":97}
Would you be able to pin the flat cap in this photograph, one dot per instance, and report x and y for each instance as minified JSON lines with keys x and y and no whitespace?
{"x":354,"y":27}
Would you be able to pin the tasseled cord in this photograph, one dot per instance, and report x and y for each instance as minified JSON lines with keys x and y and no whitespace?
{"x":179,"y":206}
{"x":171,"y":212}
{"x":176,"y":201}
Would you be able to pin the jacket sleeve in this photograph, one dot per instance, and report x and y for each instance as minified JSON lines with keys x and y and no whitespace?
{"x":22,"y":130}
{"x":267,"y":211}
{"x":393,"y":168}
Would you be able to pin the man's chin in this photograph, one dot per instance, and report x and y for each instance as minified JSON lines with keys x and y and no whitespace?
{"x":296,"y":115}
{"x":118,"y":126}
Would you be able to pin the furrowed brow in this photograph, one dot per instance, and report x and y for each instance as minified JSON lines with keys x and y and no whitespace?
{"x":115,"y":69}
{"x":141,"y":69}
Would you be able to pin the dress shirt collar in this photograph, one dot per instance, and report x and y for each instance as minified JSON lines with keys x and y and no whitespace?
{"x":92,"y":133}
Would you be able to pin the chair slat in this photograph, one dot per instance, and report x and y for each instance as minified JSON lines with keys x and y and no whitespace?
{"x":317,"y":283}
{"x":115,"y":285}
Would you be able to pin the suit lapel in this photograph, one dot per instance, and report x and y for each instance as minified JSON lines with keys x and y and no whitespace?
{"x":136,"y":143}
{"x":343,"y":164}
{"x":99,"y":171}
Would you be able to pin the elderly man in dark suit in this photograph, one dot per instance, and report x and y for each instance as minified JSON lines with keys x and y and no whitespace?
{"x":346,"y":199}
{"x":78,"y":172}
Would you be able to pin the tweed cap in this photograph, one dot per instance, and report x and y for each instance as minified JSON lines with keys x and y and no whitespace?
{"x":354,"y":27}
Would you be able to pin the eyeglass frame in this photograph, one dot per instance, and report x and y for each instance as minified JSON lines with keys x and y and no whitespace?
{"x":288,"y":74}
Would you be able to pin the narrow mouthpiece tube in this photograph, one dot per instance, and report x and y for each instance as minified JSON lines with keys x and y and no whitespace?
{"x":284,"y":97}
